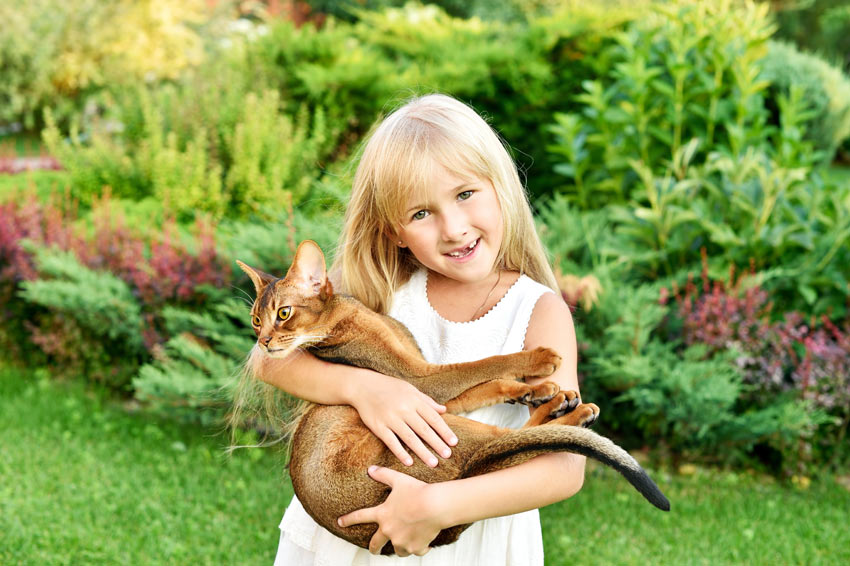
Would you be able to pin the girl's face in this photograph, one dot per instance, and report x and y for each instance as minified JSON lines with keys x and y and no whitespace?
{"x":458,"y":232}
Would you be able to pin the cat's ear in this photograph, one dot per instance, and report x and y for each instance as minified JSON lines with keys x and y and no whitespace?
{"x":308,"y":269}
{"x":260,"y":279}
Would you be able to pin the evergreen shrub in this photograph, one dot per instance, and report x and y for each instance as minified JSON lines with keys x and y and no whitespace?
{"x":825,"y":88}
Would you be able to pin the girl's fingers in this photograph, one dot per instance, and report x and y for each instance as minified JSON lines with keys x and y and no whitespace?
{"x":438,"y":424}
{"x":431,"y":438}
{"x":386,"y":476}
{"x":394,"y":445}
{"x":412,"y":441}
{"x":377,"y":543}
{"x":367,"y":515}
{"x":434,"y":405}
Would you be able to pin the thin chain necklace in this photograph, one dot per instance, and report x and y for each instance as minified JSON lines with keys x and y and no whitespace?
{"x":487,"y":298}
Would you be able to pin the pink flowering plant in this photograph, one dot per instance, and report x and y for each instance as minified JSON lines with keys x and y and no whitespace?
{"x":792,"y":355}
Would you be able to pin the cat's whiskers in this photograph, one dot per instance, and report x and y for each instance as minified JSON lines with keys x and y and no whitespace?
{"x":295,"y":342}
{"x":247,"y":297}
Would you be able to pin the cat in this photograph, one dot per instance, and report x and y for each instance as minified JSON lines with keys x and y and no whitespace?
{"x":331,"y":447}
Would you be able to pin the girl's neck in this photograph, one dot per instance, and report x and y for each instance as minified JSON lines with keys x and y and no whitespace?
{"x":458,"y":301}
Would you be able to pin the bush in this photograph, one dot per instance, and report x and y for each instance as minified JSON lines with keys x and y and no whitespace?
{"x":156,"y":268}
{"x":687,"y":404}
{"x":779,"y":360}
{"x":825,"y":88}
{"x":260,"y":160}
{"x":195,"y":368}
{"x":762,"y":205}
{"x":88,"y":321}
{"x":56,"y":54}
{"x":688,"y":70}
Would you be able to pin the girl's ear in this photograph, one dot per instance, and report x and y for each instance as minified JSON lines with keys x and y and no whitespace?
{"x":260,"y":279}
{"x":308,"y":269}
{"x":395,"y":239}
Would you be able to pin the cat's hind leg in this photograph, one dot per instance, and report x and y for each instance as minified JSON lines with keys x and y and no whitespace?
{"x":565,"y":408}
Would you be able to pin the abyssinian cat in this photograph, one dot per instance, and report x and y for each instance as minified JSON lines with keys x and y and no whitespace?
{"x":331,"y":447}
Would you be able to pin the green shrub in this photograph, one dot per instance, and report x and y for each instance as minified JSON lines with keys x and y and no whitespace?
{"x":825,"y":88}
{"x":195,"y":368}
{"x":679,"y":399}
{"x":686,"y":70}
{"x":330,"y":68}
{"x":87,"y":321}
{"x":262,"y":159}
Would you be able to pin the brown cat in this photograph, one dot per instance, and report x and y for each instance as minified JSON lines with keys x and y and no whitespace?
{"x":331,"y":447}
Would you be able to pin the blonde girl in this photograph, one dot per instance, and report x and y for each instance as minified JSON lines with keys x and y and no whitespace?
{"x":439,"y":235}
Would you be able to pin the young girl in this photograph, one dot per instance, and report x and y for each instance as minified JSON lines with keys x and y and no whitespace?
{"x":440,"y":236}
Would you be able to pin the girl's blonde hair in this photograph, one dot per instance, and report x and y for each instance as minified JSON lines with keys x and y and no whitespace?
{"x":397,"y":162}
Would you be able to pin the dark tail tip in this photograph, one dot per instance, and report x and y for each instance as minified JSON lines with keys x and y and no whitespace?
{"x":644,"y":484}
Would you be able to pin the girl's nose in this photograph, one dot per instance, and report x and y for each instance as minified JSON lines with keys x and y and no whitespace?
{"x":455,"y":227}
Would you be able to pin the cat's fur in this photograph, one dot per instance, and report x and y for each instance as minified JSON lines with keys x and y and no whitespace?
{"x":331,"y":447}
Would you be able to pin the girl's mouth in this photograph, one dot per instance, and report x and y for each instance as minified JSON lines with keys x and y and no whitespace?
{"x":464,"y":252}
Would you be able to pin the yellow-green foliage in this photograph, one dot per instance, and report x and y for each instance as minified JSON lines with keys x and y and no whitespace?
{"x":54,"y":50}
{"x":253,"y":164}
{"x":273,"y":154}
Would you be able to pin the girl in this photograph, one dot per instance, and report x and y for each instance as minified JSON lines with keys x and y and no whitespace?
{"x":440,"y":236}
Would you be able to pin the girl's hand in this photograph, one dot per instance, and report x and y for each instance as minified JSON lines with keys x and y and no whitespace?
{"x":408,"y":518}
{"x":398,"y":413}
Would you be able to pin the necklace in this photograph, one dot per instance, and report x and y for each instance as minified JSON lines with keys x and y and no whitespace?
{"x":487,"y":298}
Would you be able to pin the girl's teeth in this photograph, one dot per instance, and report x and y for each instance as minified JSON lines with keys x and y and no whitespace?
{"x":465,"y":251}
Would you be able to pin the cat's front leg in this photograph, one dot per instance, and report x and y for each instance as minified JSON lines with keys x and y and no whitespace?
{"x":539,"y":362}
{"x":502,"y":391}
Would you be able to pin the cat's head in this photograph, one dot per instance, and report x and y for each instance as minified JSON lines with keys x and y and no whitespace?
{"x":287,"y":313}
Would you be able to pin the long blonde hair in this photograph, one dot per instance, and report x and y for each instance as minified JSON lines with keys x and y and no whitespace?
{"x":397,"y":162}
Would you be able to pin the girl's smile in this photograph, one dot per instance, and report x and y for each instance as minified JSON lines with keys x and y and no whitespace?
{"x":464,"y":253}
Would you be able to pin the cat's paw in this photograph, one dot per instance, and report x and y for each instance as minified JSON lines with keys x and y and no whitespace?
{"x":542,"y":362}
{"x":539,"y":394}
{"x":585,"y":414}
{"x":564,"y":402}
{"x":575,"y":413}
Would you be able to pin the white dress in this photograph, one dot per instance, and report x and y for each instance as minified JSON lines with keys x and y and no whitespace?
{"x":515,"y":540}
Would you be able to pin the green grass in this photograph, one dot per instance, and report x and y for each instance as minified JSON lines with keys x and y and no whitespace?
{"x":82,"y":481}
{"x":716,"y":519}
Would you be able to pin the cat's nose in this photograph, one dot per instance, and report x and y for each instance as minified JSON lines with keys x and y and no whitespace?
{"x":264,"y":340}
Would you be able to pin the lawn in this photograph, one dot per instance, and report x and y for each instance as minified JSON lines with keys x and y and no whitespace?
{"x":84,"y":481}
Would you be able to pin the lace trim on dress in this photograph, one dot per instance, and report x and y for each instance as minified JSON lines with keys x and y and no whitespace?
{"x":491,"y":309}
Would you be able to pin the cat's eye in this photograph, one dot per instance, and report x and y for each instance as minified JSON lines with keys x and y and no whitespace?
{"x":283,"y":313}
{"x":255,"y":320}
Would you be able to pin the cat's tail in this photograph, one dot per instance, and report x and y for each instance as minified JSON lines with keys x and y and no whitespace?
{"x":521,"y":445}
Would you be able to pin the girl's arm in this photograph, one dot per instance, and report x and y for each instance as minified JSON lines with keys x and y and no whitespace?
{"x":415,"y":512}
{"x":394,"y":410}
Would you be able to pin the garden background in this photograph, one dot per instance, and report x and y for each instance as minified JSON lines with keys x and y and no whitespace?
{"x":688,"y":166}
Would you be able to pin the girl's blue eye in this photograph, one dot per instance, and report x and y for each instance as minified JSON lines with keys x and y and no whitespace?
{"x":464,"y":195}
{"x":420,"y":215}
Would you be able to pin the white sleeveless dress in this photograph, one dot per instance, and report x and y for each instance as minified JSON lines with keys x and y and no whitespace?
{"x":515,"y":540}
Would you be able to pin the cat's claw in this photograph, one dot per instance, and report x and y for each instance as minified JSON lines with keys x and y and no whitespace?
{"x":568,"y":403}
